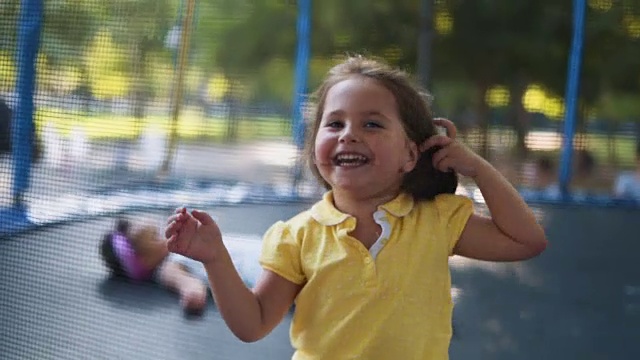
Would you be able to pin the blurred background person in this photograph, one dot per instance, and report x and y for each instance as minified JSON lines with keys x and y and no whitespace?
{"x":627,"y":184}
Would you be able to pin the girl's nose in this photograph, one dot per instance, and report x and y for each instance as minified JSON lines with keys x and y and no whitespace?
{"x":349,"y":135}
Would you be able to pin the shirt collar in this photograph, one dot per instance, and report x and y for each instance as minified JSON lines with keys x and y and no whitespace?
{"x":326,"y":213}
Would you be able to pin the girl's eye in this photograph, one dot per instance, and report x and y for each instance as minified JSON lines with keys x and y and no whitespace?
{"x":372,"y":124}
{"x":334,"y":124}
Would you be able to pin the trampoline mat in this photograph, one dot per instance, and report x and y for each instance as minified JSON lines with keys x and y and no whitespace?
{"x":579,"y":300}
{"x":57,"y":301}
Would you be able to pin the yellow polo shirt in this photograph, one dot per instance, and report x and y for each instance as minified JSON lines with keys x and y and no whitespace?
{"x":392,"y":301}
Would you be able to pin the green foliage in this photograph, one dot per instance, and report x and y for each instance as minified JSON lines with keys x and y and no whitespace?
{"x":117,"y":48}
{"x":8,"y":18}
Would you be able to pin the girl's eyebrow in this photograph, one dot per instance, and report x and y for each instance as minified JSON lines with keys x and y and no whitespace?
{"x":374,"y":113}
{"x":335,"y":113}
{"x":362,"y":113}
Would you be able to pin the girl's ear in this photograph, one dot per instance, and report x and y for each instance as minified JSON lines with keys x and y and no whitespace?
{"x":412,"y":157}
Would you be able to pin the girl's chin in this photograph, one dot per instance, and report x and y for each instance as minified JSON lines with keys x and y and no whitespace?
{"x":351,"y":185}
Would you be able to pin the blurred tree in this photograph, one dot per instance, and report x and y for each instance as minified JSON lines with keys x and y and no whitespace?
{"x":500,"y":43}
{"x":478,"y":43}
{"x":142,"y":26}
{"x":8,"y":17}
{"x":256,"y":53}
{"x":68,"y":29}
{"x":268,"y":33}
{"x":478,"y":46}
{"x":133,"y":28}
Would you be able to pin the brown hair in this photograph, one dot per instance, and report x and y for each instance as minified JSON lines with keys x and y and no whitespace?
{"x":424,"y":182}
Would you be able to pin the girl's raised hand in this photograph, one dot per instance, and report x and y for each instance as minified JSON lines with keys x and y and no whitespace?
{"x":452,"y":131}
{"x":194,"y":235}
{"x":453,"y":156}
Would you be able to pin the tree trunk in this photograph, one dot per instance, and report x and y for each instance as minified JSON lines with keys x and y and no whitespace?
{"x":518,"y":117}
{"x":581,"y":128}
{"x":482,"y":116}
{"x":140,"y":53}
{"x":232,"y":101}
{"x":425,"y":44}
{"x":612,"y":156}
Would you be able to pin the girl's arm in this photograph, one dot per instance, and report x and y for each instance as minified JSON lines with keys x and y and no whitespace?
{"x":512,"y":233}
{"x":250,"y":314}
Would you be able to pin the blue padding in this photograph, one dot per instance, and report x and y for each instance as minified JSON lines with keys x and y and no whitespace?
{"x":148,"y":195}
{"x":14,"y":220}
{"x":578,"y":199}
{"x":142,"y":195}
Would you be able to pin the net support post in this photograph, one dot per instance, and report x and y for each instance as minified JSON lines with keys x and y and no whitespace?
{"x":571,"y":96}
{"x":301,"y":78}
{"x":23,"y":134}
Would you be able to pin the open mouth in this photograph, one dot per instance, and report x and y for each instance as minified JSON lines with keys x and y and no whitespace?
{"x":350,"y":160}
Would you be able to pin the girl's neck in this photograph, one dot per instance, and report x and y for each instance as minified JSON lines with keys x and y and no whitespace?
{"x":361,"y":207}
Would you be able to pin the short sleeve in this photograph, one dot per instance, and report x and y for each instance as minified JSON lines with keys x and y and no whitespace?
{"x":281,"y":253}
{"x":454,"y":212}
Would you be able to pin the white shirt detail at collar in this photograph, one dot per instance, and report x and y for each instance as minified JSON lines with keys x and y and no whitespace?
{"x":380,"y":217}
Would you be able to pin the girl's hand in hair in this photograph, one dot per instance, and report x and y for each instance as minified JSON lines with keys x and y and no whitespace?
{"x":448,"y":125}
{"x":453,"y":155}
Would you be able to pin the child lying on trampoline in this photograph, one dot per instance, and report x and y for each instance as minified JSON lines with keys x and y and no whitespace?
{"x":141,"y":255}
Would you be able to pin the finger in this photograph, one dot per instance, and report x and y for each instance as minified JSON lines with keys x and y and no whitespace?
{"x":445,"y":165}
{"x":181,"y":210}
{"x":172,"y":244}
{"x":172,"y":229}
{"x":176,"y":246}
{"x":179,"y":217}
{"x":436,"y":140}
{"x":452,"y":131}
{"x":203,"y":217}
{"x":172,"y":218}
{"x":439,"y":156}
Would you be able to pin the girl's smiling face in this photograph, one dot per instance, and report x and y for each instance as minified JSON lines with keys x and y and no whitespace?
{"x":361,"y":146}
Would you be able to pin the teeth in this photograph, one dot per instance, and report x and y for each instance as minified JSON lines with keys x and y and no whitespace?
{"x":351,"y":159}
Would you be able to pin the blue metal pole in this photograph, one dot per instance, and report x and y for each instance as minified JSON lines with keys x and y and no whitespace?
{"x":301,"y":70}
{"x":23,"y":135}
{"x":571,"y":96}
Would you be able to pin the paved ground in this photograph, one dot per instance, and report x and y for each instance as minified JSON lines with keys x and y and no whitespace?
{"x":72,"y":180}
{"x":68,"y":168}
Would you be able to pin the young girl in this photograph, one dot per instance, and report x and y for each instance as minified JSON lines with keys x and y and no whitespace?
{"x":140,"y":255}
{"x":367,"y":266}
